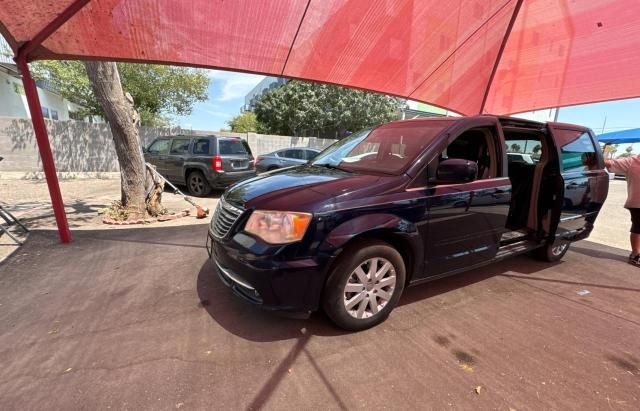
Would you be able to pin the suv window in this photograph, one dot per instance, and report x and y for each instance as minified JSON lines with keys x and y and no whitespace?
{"x":577,"y":152}
{"x":201,"y":146}
{"x":180,"y":146}
{"x":159,"y":146}
{"x":233,"y":146}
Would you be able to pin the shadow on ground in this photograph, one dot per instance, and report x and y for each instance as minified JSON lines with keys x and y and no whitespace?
{"x":137,"y":318}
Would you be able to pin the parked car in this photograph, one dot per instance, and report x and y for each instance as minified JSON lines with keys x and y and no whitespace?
{"x":399,"y":205}
{"x":201,"y":162}
{"x":285,"y":158}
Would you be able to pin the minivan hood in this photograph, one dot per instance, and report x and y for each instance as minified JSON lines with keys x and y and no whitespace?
{"x":309,"y":188}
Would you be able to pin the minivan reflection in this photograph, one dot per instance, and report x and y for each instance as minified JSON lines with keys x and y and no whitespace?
{"x":401,"y":204}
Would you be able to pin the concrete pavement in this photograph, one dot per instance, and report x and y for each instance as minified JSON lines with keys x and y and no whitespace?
{"x":136,"y":319}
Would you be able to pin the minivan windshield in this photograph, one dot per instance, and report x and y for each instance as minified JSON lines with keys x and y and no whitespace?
{"x":387,"y":149}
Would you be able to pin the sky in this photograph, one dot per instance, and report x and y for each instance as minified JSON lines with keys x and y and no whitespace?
{"x":227,"y":90}
{"x":226,"y":96}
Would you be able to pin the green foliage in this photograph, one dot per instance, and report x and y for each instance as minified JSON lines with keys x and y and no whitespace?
{"x":158,"y":91}
{"x":610,"y":150}
{"x":303,"y":108}
{"x":245,"y":123}
{"x":537,"y":148}
{"x":515,"y":148}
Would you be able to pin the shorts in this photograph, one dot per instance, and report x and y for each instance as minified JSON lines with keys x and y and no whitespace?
{"x":635,"y":220}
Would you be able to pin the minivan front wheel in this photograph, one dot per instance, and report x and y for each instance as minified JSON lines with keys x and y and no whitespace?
{"x":364,"y":285}
{"x":197,"y":184}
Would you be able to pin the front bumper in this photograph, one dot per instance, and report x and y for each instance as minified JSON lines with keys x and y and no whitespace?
{"x":260,"y":278}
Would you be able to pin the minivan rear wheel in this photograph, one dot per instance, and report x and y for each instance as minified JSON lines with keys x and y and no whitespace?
{"x":364,"y":285}
{"x":197,"y":184}
{"x":552,"y":251}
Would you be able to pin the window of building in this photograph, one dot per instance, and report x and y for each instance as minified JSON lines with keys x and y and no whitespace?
{"x":45,"y":112}
{"x":54,"y":115}
{"x":180,"y":146}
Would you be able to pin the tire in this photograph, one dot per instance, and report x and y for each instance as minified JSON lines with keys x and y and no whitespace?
{"x":353,"y":310}
{"x":197,"y":184}
{"x":552,"y":251}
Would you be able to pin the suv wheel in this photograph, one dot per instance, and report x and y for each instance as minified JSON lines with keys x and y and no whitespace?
{"x":364,"y":285}
{"x":552,"y":251}
{"x":197,"y":184}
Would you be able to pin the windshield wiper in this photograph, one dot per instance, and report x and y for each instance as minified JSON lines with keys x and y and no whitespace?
{"x":329,"y":165}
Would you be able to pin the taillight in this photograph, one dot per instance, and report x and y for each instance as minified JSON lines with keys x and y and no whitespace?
{"x":217,"y":163}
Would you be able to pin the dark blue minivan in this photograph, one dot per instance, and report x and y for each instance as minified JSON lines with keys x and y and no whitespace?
{"x":405,"y":203}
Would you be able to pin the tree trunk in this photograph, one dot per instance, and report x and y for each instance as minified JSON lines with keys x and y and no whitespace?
{"x":120,"y":114}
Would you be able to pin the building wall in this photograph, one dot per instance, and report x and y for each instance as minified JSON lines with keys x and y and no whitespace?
{"x":13,"y":102}
{"x":85,"y":147}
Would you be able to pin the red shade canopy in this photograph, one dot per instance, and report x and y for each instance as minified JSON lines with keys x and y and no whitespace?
{"x":455,"y":54}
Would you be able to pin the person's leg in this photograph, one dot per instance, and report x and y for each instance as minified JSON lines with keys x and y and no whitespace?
{"x":635,"y":243}
{"x":634,"y":238}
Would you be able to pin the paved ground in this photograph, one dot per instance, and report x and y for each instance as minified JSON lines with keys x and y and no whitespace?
{"x":29,"y":200}
{"x":91,"y":325}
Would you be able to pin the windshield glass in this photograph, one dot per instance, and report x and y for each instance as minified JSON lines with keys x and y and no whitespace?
{"x":387,"y":149}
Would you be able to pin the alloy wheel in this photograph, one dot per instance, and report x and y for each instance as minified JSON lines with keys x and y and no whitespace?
{"x":196,"y":184}
{"x":369,"y":288}
{"x":559,"y":249}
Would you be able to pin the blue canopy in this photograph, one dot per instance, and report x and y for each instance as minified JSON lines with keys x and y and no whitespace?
{"x":621,"y":137}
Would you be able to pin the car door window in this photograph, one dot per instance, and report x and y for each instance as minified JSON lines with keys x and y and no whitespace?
{"x":577,"y":152}
{"x":159,"y":147}
{"x":309,"y":154}
{"x":294,"y":154}
{"x":477,"y":145}
{"x":180,"y":146}
{"x":201,"y":146}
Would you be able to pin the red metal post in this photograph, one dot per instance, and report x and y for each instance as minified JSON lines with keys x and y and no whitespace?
{"x":42,"y":138}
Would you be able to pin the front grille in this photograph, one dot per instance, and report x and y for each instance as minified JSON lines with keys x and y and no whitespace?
{"x":224,"y":218}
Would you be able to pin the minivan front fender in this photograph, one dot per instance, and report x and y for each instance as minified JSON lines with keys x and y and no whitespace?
{"x":398,"y":232}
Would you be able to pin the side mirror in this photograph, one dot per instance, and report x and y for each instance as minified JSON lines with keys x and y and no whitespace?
{"x":456,"y":170}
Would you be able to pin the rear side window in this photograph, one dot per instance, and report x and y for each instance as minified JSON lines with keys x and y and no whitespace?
{"x":309,"y":154}
{"x":201,"y":146}
{"x":297,"y":154}
{"x":180,"y":146}
{"x":577,"y":152}
{"x":160,"y":147}
{"x":233,"y":147}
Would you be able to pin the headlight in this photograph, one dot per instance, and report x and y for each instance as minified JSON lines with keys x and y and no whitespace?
{"x":278,"y":227}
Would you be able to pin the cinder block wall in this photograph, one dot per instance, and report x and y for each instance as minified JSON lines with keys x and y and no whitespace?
{"x":86,"y":147}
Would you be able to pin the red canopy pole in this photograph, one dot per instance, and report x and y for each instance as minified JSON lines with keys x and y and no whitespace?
{"x":48,"y":165}
{"x":31,"y":92}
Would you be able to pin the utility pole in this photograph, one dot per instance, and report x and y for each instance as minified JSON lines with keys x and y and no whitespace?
{"x":604,"y":123}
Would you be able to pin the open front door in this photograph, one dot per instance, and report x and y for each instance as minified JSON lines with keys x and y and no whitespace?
{"x":584,"y":181}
